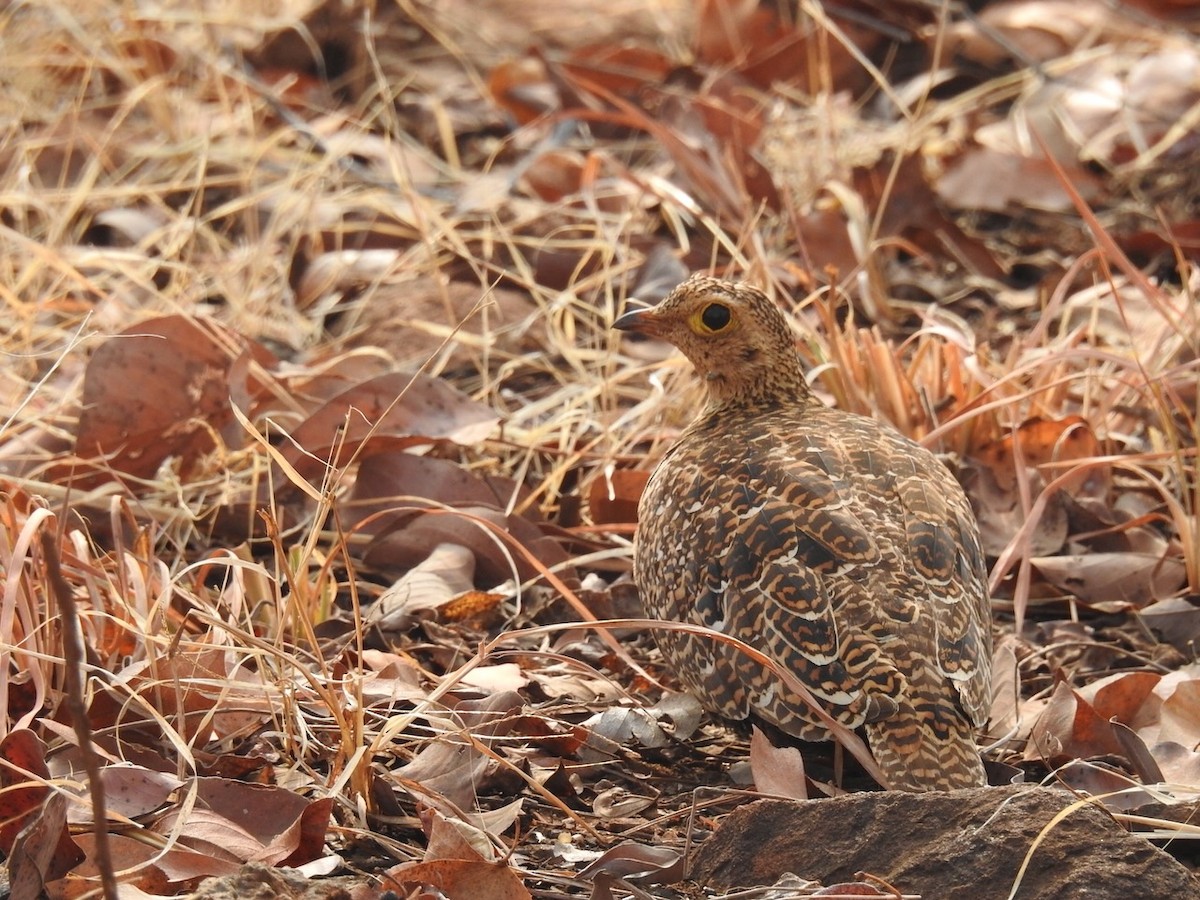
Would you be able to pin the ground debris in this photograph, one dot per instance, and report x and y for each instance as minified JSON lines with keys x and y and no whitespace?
{"x":969,"y":843}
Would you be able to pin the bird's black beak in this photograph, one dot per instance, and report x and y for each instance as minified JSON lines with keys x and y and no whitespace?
{"x":638,"y":321}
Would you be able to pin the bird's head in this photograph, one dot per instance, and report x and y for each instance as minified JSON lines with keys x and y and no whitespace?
{"x":733,"y":334}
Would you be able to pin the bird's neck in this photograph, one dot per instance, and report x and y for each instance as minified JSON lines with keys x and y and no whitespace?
{"x":779,"y":388}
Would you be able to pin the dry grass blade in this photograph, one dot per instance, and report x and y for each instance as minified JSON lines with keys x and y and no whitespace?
{"x":315,"y":204}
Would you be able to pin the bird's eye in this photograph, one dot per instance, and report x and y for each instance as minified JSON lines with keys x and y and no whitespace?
{"x":715,"y":316}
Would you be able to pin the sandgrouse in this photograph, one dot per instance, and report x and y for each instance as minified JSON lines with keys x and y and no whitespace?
{"x":829,"y":542}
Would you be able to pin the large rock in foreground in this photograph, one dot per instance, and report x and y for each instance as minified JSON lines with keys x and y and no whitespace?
{"x":969,"y":843}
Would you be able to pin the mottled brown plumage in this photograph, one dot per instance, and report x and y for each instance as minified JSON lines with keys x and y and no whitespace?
{"x":829,"y":542}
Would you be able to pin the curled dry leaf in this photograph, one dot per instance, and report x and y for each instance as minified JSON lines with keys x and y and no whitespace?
{"x":443,"y":575}
{"x":1070,"y":727}
{"x":618,"y":803}
{"x":252,"y":823}
{"x":391,"y":411}
{"x":449,"y":772}
{"x":461,"y":859}
{"x":618,"y":726}
{"x":649,"y":865}
{"x":398,"y":498}
{"x":31,"y":859}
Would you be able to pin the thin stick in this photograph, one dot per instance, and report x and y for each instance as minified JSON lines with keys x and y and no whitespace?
{"x":73,"y":658}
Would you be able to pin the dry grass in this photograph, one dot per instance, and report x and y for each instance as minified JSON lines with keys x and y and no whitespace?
{"x":148,"y":170}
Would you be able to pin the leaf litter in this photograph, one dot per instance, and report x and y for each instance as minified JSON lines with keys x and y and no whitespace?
{"x":309,"y":367}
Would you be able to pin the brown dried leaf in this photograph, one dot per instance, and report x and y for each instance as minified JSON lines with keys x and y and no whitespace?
{"x":1001,"y":517}
{"x":777,"y":770}
{"x":1005,"y":715}
{"x":1113,"y":582}
{"x":152,"y":870}
{"x":22,"y":801}
{"x":1070,"y":727}
{"x":160,"y":389}
{"x":1045,"y":444}
{"x":31,"y":859}
{"x":459,"y":878}
{"x":1179,"y":715}
{"x":390,"y":411}
{"x":613,"y":498}
{"x":388,"y":502}
{"x":650,"y":865}
{"x":984,"y":178}
{"x":446,"y":573}
{"x":253,"y":822}
{"x":1128,"y":697}
{"x":1176,"y":621}
{"x":130,"y":791}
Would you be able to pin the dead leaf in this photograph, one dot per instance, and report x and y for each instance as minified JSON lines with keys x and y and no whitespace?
{"x":459,"y":878}
{"x":649,"y":865}
{"x":22,"y":800}
{"x":613,"y":498}
{"x":443,"y":575}
{"x":1113,"y":582}
{"x":1070,"y":727}
{"x":252,"y":822}
{"x":777,"y":770}
{"x":390,"y":411}
{"x":180,"y":406}
{"x":31,"y":859}
{"x":130,"y":791}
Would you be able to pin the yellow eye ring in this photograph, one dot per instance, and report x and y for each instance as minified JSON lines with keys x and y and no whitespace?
{"x":714,"y":317}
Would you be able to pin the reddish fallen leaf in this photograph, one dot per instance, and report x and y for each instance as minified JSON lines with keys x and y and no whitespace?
{"x":159,"y":389}
{"x":625,"y":69}
{"x":613,"y":498}
{"x":24,"y":791}
{"x":252,"y":822}
{"x":457,"y":863}
{"x":852,"y":889}
{"x":1069,"y":727}
{"x":31,"y":859}
{"x":459,"y":878}
{"x":777,"y":770}
{"x":143,"y":866}
{"x":522,"y":88}
{"x":1127,"y":697}
{"x":1042,"y":442}
{"x":392,"y":411}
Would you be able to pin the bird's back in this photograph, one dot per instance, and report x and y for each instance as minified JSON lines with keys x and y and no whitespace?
{"x":846,"y":552}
